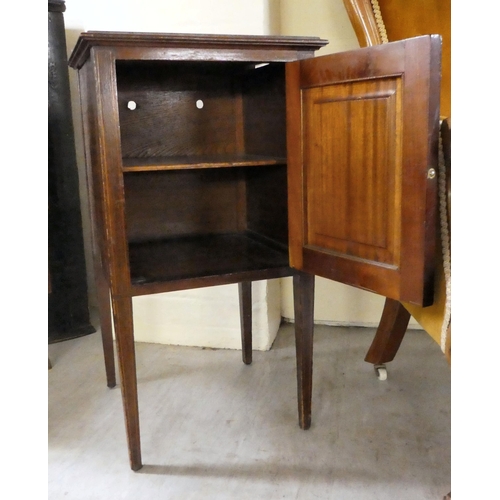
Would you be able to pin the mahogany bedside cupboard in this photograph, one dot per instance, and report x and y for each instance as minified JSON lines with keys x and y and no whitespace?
{"x":228,"y":159}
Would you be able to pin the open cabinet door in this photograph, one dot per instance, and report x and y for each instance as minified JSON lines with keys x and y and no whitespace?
{"x":362,"y":136}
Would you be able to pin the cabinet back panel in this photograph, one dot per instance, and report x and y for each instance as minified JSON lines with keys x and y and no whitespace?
{"x":167,"y":121}
{"x":176,"y":203}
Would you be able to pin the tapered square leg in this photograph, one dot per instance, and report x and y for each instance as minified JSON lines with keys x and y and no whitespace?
{"x":122,"y":308}
{"x":303,"y":290}
{"x":245,"y":296}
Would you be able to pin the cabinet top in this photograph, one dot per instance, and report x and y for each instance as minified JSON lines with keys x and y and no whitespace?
{"x":195,"y":46}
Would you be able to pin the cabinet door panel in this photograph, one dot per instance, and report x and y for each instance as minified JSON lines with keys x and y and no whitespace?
{"x":362,"y":138}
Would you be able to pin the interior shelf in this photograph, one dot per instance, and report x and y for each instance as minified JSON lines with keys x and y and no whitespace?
{"x":190,"y":257}
{"x":199,"y":161}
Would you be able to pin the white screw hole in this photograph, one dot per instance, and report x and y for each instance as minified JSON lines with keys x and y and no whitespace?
{"x":131,"y":105}
{"x":199,"y":104}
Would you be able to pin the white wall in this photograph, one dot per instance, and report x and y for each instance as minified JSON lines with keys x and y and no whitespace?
{"x":324,"y":18}
{"x":186,"y":16}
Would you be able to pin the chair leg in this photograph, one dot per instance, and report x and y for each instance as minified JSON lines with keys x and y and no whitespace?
{"x":303,"y":292}
{"x":390,"y":333}
{"x":447,"y":348}
{"x":245,"y":296}
{"x":106,"y":328}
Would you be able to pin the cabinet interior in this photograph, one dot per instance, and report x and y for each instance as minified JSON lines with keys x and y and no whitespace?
{"x":204,"y":164}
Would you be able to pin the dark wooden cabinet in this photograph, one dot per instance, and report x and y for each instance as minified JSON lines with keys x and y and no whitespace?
{"x":68,"y":306}
{"x":229,"y":159}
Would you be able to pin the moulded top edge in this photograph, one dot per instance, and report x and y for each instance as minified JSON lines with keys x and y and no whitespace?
{"x":112,"y":39}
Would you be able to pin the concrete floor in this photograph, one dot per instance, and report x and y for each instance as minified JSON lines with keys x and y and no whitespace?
{"x":214,"y":428}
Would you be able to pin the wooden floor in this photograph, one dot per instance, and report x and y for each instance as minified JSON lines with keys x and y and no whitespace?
{"x":214,"y":428}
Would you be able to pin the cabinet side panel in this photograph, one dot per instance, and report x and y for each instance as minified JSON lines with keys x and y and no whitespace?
{"x":109,"y":168}
{"x":264,"y":110}
{"x":267,"y":202}
{"x":94,"y":175}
